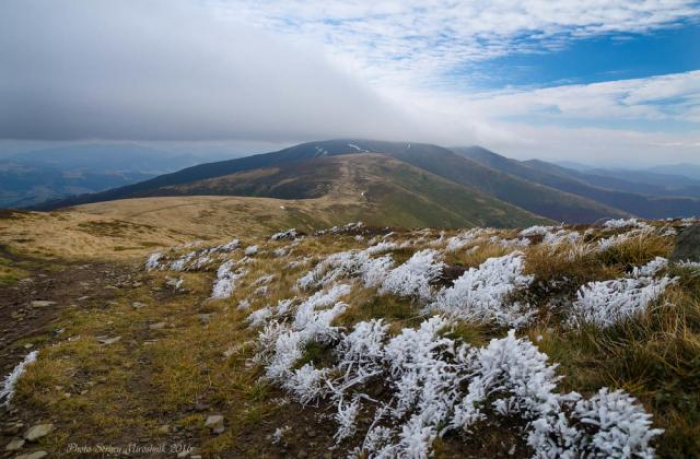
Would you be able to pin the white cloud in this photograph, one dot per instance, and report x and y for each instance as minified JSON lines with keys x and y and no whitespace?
{"x":290,"y":70}
{"x":390,"y":41}
{"x":169,"y":70}
{"x":674,"y":96}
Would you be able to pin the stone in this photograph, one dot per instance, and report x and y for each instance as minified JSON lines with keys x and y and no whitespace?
{"x":13,"y":428}
{"x":157,"y":326}
{"x":38,"y":431}
{"x":204,"y":319}
{"x":41,"y":303}
{"x":137,"y":305}
{"x":15,"y":444}
{"x":34,"y":455}
{"x":107,"y":341}
{"x":687,"y":245}
{"x":215,"y":422}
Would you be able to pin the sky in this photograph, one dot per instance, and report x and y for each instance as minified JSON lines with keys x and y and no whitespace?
{"x":605,"y":82}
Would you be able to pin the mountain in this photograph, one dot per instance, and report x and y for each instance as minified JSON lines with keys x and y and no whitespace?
{"x":533,"y":197}
{"x":574,"y":182}
{"x":684,"y":169}
{"x":376,"y":189}
{"x":33,"y":177}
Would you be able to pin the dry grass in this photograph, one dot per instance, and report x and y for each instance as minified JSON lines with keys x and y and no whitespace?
{"x":154,"y":377}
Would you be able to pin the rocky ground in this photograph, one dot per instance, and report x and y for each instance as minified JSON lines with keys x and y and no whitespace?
{"x":30,"y":312}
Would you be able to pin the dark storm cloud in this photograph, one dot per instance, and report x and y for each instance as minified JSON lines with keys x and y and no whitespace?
{"x":165,"y":70}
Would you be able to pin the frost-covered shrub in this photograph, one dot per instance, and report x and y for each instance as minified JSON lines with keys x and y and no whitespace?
{"x":650,"y":269}
{"x":153,"y":261}
{"x":622,"y":427}
{"x":561,"y":237}
{"x":307,"y":383}
{"x":226,"y":279}
{"x":375,"y":271}
{"x":612,"y":241}
{"x":606,"y":303}
{"x":538,"y":230}
{"x":352,"y":263}
{"x":250,"y":250}
{"x":413,"y":278}
{"x":625,"y":224}
{"x":463,"y":239}
{"x":694,"y":265}
{"x":7,"y":391}
{"x":345,"y":417}
{"x":483,"y":294}
{"x":282,"y":345}
{"x":515,"y":371}
{"x":381,"y":248}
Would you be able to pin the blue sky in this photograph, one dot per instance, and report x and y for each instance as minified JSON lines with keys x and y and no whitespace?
{"x":674,"y":49}
{"x":598,"y":81}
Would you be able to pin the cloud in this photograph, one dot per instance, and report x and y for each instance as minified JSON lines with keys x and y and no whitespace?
{"x":168,"y":70}
{"x":390,"y":41}
{"x":667,"y":97}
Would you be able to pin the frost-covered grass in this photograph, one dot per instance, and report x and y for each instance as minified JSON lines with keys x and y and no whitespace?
{"x":361,"y":315}
{"x":395,"y":344}
{"x":7,"y":391}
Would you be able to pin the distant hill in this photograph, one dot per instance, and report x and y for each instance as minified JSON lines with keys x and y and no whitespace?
{"x":33,"y":177}
{"x":684,"y":169}
{"x":582,"y":184}
{"x":533,"y":197}
{"x":122,"y":157}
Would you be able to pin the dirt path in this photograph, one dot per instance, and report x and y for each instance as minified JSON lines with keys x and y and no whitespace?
{"x":28,"y":308}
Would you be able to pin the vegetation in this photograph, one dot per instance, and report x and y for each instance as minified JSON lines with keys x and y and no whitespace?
{"x":182,"y":356}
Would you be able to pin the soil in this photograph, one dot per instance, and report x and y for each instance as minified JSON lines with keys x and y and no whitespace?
{"x":67,"y":285}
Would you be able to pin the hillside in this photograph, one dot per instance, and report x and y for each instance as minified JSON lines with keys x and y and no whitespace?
{"x":577,"y":183}
{"x":355,"y":339}
{"x":535,"y":198}
{"x":372,"y":188}
{"x":389,"y":192}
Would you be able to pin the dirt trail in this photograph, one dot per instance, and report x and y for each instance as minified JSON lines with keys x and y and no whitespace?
{"x":28,"y":308}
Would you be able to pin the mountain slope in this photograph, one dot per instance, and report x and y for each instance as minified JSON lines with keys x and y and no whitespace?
{"x":380,"y":190}
{"x":631,"y":181}
{"x":565,"y":180}
{"x":538,"y":199}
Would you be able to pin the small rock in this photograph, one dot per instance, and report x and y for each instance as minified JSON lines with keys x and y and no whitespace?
{"x":204,"y":319}
{"x":34,"y":455}
{"x":107,"y":341}
{"x":28,"y":346}
{"x":15,"y":444}
{"x":215,"y":422}
{"x":199,"y":406}
{"x":687,"y":245}
{"x":137,"y":305}
{"x":13,"y":429}
{"x":38,"y":431}
{"x":41,"y":304}
{"x":157,"y":326}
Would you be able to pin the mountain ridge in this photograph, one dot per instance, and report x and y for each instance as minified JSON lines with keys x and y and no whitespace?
{"x":535,"y":198}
